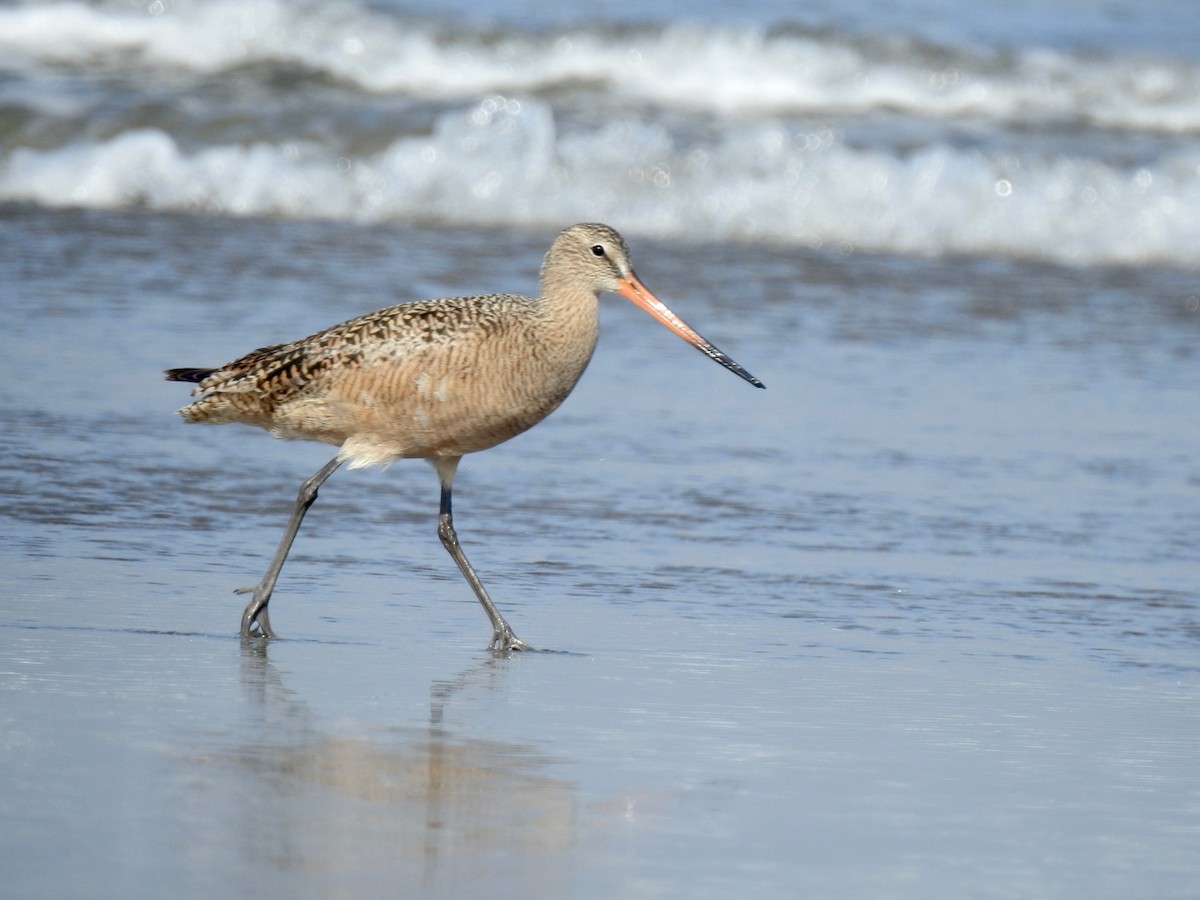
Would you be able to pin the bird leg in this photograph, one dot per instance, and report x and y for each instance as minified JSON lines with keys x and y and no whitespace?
{"x":256,"y":610}
{"x":503,"y":638}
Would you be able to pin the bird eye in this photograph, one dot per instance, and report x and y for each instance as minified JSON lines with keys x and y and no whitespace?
{"x":597,"y":249}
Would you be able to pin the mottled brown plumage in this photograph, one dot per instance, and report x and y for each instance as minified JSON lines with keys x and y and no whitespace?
{"x":434,"y":379}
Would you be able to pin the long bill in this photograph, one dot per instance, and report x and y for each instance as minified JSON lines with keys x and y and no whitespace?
{"x":631,"y":288}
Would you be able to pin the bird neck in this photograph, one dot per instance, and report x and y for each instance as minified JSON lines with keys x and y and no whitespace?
{"x":566,"y":301}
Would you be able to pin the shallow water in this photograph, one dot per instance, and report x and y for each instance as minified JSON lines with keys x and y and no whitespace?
{"x":921,"y":619}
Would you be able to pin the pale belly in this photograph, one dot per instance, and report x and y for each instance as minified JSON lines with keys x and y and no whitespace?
{"x":377,"y":417}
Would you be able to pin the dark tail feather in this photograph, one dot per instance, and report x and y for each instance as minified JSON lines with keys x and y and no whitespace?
{"x":192,"y":375}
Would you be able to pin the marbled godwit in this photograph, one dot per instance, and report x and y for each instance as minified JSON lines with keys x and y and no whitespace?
{"x":431,"y":379}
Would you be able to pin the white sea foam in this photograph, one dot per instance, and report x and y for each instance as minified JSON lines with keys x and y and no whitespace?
{"x":251,"y":107}
{"x":504,"y":161}
{"x":725,"y":70}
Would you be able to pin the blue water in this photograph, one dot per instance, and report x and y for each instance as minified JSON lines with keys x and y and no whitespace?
{"x":1157,"y":28}
{"x":921,"y":619}
{"x":1066,"y":134}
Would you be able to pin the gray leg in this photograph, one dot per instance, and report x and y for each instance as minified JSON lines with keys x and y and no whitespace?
{"x":503,"y":638}
{"x":256,"y":610}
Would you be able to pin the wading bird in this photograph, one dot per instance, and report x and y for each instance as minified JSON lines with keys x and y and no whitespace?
{"x":431,"y":379}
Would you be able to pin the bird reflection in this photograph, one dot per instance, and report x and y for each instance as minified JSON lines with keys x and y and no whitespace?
{"x":393,"y":807}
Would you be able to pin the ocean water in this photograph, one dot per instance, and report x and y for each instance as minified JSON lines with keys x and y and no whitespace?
{"x":922,"y":619}
{"x":1056,"y":131}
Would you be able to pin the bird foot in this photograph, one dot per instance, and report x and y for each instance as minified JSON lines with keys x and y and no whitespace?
{"x":255,"y":621}
{"x":504,"y":641}
{"x":256,"y":632}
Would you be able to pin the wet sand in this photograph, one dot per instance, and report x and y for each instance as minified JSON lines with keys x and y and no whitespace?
{"x":919,"y":620}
